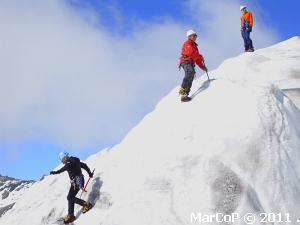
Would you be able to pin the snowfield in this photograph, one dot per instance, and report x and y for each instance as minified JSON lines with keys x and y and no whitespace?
{"x":235,"y":148}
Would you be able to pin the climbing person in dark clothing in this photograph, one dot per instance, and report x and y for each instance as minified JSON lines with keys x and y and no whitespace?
{"x":73,"y":166}
{"x":189,"y":57}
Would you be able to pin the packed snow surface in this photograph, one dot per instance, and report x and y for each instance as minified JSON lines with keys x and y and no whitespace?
{"x":235,"y":148}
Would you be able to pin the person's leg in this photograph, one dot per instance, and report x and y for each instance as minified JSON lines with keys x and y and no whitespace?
{"x":250,"y":43}
{"x":72,"y":199}
{"x":86,"y":206}
{"x":79,"y":181}
{"x":185,"y":79}
{"x":79,"y":201}
{"x":190,"y":82}
{"x":189,"y":77}
{"x":243,"y":32}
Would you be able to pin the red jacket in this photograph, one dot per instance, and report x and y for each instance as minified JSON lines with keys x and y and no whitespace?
{"x":190,"y":53}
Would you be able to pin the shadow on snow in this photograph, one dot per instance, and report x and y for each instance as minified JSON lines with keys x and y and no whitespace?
{"x":203,"y":87}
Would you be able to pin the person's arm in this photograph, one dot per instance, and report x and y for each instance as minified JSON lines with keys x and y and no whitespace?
{"x":242,"y":25}
{"x":194,"y":54}
{"x":86,"y":168}
{"x":199,"y":61}
{"x":63,"y":169}
{"x":250,"y":19}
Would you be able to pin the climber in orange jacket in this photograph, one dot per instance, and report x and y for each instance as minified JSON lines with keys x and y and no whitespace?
{"x":189,"y":57}
{"x":246,"y":28}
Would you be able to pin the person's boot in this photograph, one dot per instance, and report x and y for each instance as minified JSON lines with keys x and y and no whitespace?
{"x":185,"y":98}
{"x":69,"y":218}
{"x":251,"y":50}
{"x":86,"y":207}
{"x":182,"y":91}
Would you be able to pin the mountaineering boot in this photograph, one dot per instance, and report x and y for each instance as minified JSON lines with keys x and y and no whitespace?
{"x":185,"y":98}
{"x":182,"y":91}
{"x":69,"y":218}
{"x":87,"y":206}
{"x":184,"y":95}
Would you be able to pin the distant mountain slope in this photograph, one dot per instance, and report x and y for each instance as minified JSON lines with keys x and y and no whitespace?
{"x":10,"y":191}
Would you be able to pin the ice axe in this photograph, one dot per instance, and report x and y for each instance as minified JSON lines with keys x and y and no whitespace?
{"x":207,"y":76}
{"x":206,"y":70}
{"x":85,"y":186}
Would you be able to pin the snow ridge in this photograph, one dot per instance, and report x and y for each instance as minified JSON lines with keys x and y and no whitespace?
{"x":233,"y":149}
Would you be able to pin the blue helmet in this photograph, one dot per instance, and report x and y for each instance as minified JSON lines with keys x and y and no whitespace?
{"x":62,"y":156}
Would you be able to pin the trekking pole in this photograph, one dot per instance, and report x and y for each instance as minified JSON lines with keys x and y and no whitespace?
{"x":85,"y":186}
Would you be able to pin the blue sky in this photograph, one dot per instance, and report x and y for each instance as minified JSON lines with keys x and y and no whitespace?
{"x":30,"y":140}
{"x":283,"y":16}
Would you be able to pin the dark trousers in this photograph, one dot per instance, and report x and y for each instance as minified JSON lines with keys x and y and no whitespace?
{"x":247,"y":40}
{"x":74,"y":189}
{"x":189,"y":69}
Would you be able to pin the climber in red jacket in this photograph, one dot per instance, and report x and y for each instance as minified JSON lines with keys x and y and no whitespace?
{"x":189,"y":57}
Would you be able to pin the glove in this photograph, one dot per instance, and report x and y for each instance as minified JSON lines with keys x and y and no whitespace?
{"x":249,"y":29}
{"x":91,"y":175}
{"x":52,"y":173}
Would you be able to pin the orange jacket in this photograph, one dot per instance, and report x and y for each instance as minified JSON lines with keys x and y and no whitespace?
{"x":190,"y":53}
{"x":247,"y":20}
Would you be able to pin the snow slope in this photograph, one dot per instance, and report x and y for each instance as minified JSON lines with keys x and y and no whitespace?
{"x":234,"y":148}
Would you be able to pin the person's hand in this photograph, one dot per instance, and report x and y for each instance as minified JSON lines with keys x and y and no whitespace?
{"x":249,"y":29}
{"x":52,"y":172}
{"x":91,"y":175}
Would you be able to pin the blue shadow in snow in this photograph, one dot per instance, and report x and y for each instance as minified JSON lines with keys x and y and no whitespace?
{"x":203,"y":87}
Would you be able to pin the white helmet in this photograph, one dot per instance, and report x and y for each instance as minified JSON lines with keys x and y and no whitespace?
{"x":243,"y":7}
{"x":190,"y":32}
{"x":62,"y":156}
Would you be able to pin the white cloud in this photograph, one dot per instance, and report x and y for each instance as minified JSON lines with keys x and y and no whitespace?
{"x":75,"y":84}
{"x":219,"y":28}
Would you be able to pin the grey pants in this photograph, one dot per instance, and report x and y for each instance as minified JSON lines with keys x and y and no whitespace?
{"x":189,"y":69}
